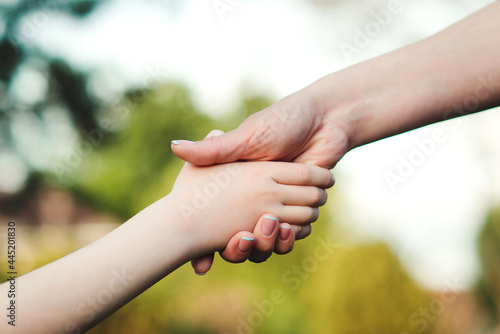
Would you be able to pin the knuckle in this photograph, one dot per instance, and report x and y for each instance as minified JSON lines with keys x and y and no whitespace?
{"x":315,"y":196}
{"x":260,"y":135}
{"x":322,"y":197}
{"x":305,"y":174}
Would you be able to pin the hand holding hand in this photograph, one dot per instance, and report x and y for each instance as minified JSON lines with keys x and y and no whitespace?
{"x":294,"y":189}
{"x":294,"y":129}
{"x":268,"y":236}
{"x":260,"y":245}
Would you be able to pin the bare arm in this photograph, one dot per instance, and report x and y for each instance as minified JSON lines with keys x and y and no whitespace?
{"x":207,"y":206}
{"x":452,"y":73}
{"x":74,"y":293}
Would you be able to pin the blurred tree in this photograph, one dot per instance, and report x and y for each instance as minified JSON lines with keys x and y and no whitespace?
{"x":489,"y":252}
{"x":21,"y":61}
{"x":249,"y":105}
{"x":365,"y":290}
{"x":21,"y":20}
{"x":319,"y":288}
{"x":138,"y":167}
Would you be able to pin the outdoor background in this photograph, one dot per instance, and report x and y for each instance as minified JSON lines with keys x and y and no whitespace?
{"x":92,"y":93}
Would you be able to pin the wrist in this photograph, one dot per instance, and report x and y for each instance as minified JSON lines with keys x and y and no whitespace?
{"x":162,"y":225}
{"x":341,"y":104}
{"x":191,"y":225}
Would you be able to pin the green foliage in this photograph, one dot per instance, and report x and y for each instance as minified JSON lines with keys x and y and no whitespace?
{"x":364,"y":290}
{"x":359,"y":298}
{"x":132,"y":169}
{"x":489,"y":251}
{"x":67,"y":86}
{"x":3,"y":275}
{"x":248,"y":106}
{"x":139,"y":166}
{"x":318,"y":288}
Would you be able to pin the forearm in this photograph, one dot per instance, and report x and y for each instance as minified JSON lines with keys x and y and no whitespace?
{"x":206,"y":207}
{"x":450,"y":74}
{"x":81,"y":289}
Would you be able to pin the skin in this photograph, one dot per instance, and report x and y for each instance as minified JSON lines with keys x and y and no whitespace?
{"x":84,"y":287}
{"x":260,"y":247}
{"x":453,"y":73}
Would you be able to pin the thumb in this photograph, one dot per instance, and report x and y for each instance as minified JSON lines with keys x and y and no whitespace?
{"x":218,"y":147}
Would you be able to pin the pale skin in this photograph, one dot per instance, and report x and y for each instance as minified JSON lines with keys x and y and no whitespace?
{"x":450,"y":74}
{"x":84,"y":287}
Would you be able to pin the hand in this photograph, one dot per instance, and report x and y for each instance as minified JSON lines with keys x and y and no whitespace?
{"x":256,"y":246}
{"x":220,"y":200}
{"x":294,"y":129}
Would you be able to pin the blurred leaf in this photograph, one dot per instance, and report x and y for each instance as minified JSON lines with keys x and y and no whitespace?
{"x":83,"y":7}
{"x":71,"y":87}
{"x":489,"y":252}
{"x":124,"y":176}
{"x":10,"y":58}
{"x":68,"y":86}
{"x":365,"y":290}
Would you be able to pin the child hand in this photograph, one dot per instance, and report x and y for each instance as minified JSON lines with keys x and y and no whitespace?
{"x":218,"y":201}
{"x":256,"y":247}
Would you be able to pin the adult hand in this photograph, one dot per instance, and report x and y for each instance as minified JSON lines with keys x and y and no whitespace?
{"x":294,"y":129}
{"x":257,"y":246}
{"x":450,"y":74}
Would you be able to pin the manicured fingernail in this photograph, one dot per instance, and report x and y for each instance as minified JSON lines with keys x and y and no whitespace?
{"x":199,"y":274}
{"x":284,"y":232}
{"x":268,"y":225}
{"x":181,"y":142}
{"x":245,"y":244}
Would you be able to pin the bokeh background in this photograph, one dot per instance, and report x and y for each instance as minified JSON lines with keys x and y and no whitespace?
{"x":92,"y":93}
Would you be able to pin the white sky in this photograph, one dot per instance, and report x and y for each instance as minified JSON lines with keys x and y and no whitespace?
{"x":431,"y":220}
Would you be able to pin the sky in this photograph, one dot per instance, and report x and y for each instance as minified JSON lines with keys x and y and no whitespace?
{"x":430,"y":220}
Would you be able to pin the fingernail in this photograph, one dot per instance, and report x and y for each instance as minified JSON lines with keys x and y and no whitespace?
{"x":268,"y":225}
{"x":181,"y":142}
{"x":199,"y":274}
{"x":284,"y":232}
{"x":245,"y":244}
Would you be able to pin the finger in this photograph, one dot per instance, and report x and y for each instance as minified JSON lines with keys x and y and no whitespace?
{"x":266,"y":233}
{"x":302,"y":231}
{"x":213,"y":133}
{"x":285,"y":240}
{"x":202,"y":264}
{"x":303,"y":195}
{"x":212,"y":150}
{"x":238,"y":248}
{"x":299,"y":215}
{"x":304,"y":175}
